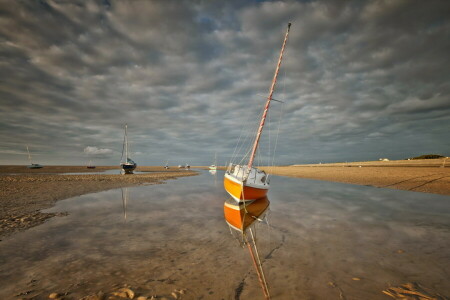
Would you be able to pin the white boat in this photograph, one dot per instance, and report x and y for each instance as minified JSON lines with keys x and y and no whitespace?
{"x":167,"y":165}
{"x":214,"y":165}
{"x":127,"y":164}
{"x":31,"y":165}
{"x":246,"y":183}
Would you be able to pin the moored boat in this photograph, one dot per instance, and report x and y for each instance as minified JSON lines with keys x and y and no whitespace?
{"x":246,"y":183}
{"x":128,"y":165}
{"x":90,"y":165}
{"x":214,"y":165}
{"x":32,"y":165}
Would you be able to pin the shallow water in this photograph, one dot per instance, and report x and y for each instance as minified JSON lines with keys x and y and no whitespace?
{"x":322,"y":240}
{"x":106,"y":172}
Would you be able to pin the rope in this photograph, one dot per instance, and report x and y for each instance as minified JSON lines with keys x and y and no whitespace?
{"x":276,"y":139}
{"x":123,"y":148}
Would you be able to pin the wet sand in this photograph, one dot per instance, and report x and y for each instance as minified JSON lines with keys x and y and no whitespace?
{"x":25,"y":193}
{"x":427,"y":176}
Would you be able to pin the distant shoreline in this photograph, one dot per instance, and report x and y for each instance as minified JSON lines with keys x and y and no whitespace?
{"x":425,"y":175}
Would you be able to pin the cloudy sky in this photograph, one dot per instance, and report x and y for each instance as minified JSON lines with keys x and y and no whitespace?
{"x":361,"y":80}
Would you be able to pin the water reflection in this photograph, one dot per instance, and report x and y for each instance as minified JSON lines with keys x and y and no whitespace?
{"x":241,"y":218}
{"x":125,"y":196}
{"x":214,"y":174}
{"x":321,"y":236}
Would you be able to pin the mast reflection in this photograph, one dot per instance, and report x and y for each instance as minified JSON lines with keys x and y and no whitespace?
{"x":241,"y":218}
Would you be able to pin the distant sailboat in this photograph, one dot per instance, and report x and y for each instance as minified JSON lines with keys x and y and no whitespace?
{"x":31,"y":165}
{"x":127,"y":165}
{"x":90,"y":165}
{"x":240,"y":217}
{"x":167,"y":165}
{"x":245,"y":183}
{"x":214,"y":165}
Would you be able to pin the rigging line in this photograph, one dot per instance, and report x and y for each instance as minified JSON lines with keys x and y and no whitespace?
{"x":243,"y":126}
{"x":276,"y":140}
{"x":279,"y":121}
{"x":269,"y":128}
{"x":247,"y":125}
{"x":253,"y":128}
{"x":123,"y":148}
{"x":246,"y":122}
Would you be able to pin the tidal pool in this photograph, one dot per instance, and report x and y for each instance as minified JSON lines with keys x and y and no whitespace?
{"x":320,"y":240}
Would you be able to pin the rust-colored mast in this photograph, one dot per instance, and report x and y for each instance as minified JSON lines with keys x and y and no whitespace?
{"x":269,"y":98}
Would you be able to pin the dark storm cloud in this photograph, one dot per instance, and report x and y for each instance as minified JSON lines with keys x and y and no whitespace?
{"x":360,"y":80}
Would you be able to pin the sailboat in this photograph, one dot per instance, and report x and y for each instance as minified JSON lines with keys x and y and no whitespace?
{"x":167,"y":165}
{"x":240,"y":217}
{"x":31,"y":165}
{"x":128,"y":165}
{"x":214,"y":165}
{"x":90,"y":165}
{"x":245,"y":183}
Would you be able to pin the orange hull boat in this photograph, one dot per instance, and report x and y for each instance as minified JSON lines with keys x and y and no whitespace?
{"x":242,"y":191}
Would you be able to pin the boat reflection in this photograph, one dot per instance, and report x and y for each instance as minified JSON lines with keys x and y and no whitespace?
{"x":242,"y":217}
{"x":125,"y":197}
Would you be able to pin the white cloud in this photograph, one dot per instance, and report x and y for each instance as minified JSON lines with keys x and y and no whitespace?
{"x":91,"y":150}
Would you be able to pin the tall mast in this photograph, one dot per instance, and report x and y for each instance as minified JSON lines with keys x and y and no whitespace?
{"x":29,"y":155}
{"x":126,"y":143}
{"x":269,"y":98}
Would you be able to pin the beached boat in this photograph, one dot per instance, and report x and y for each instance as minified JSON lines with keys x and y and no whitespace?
{"x":241,"y":218}
{"x":167,"y":165}
{"x":90,"y":165}
{"x":214,"y":165}
{"x":246,"y":183}
{"x":127,"y":164}
{"x":31,"y":165}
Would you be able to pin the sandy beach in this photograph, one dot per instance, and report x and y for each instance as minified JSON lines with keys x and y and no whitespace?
{"x":24,"y":192}
{"x":427,"y":176}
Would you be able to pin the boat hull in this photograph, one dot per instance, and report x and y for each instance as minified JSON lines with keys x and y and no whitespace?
{"x":128,"y":169}
{"x":35,"y":166}
{"x":241,"y":216}
{"x":242,"y":192}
